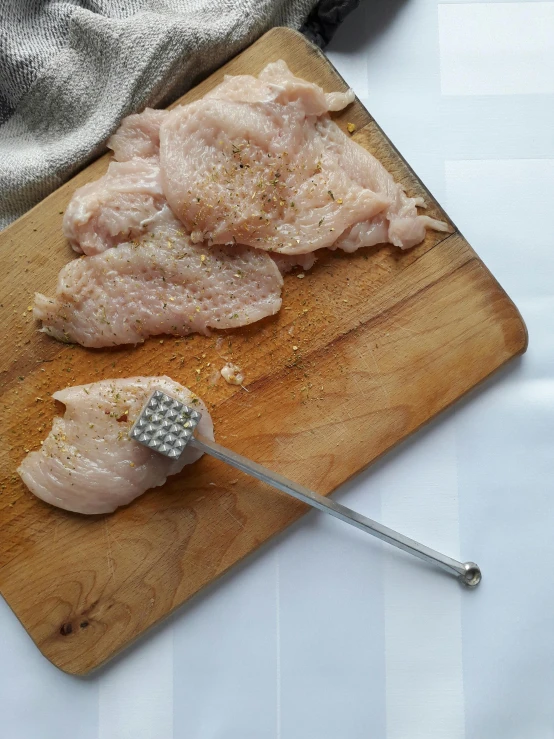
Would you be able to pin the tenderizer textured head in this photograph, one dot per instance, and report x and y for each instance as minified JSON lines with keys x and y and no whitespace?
{"x":165,"y":425}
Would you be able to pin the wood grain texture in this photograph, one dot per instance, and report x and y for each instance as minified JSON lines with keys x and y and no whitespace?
{"x":385,"y":340}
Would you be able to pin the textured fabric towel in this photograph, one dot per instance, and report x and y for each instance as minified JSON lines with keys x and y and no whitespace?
{"x":71,"y":69}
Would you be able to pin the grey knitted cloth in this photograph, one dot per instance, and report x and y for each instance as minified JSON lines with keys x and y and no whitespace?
{"x":71,"y":69}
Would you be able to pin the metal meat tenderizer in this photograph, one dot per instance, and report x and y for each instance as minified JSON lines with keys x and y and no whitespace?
{"x":167,"y":426}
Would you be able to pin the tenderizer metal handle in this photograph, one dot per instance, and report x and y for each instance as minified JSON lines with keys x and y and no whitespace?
{"x":167,"y":426}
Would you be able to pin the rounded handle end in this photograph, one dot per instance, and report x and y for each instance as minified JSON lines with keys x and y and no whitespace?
{"x":471,"y":575}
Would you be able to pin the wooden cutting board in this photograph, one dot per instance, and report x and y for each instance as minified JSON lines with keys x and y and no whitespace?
{"x":367,"y":348}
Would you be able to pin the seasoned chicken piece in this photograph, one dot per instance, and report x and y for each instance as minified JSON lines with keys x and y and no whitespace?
{"x":277,"y":84}
{"x":138,"y":136}
{"x":259,"y":175}
{"x":116,"y":208}
{"x":399,"y":223}
{"x":124,"y":205}
{"x":88,"y":464}
{"x":163,"y":284}
{"x":259,"y":162}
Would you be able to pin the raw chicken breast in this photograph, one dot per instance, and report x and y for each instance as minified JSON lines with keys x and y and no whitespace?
{"x":163,"y":284}
{"x":399,"y":223}
{"x":277,"y":84}
{"x":88,"y":464}
{"x":259,"y":162}
{"x":138,"y":136}
{"x":259,"y":175}
{"x":116,"y":208}
{"x":124,"y":205}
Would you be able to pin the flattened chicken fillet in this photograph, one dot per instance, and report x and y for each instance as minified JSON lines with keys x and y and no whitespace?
{"x":88,"y":464}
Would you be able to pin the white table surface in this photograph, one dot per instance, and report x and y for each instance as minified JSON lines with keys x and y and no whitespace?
{"x":327,"y":634}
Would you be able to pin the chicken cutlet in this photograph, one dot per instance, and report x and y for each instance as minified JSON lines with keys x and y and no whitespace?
{"x":88,"y":463}
{"x":258,"y":161}
{"x":160,"y":284}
